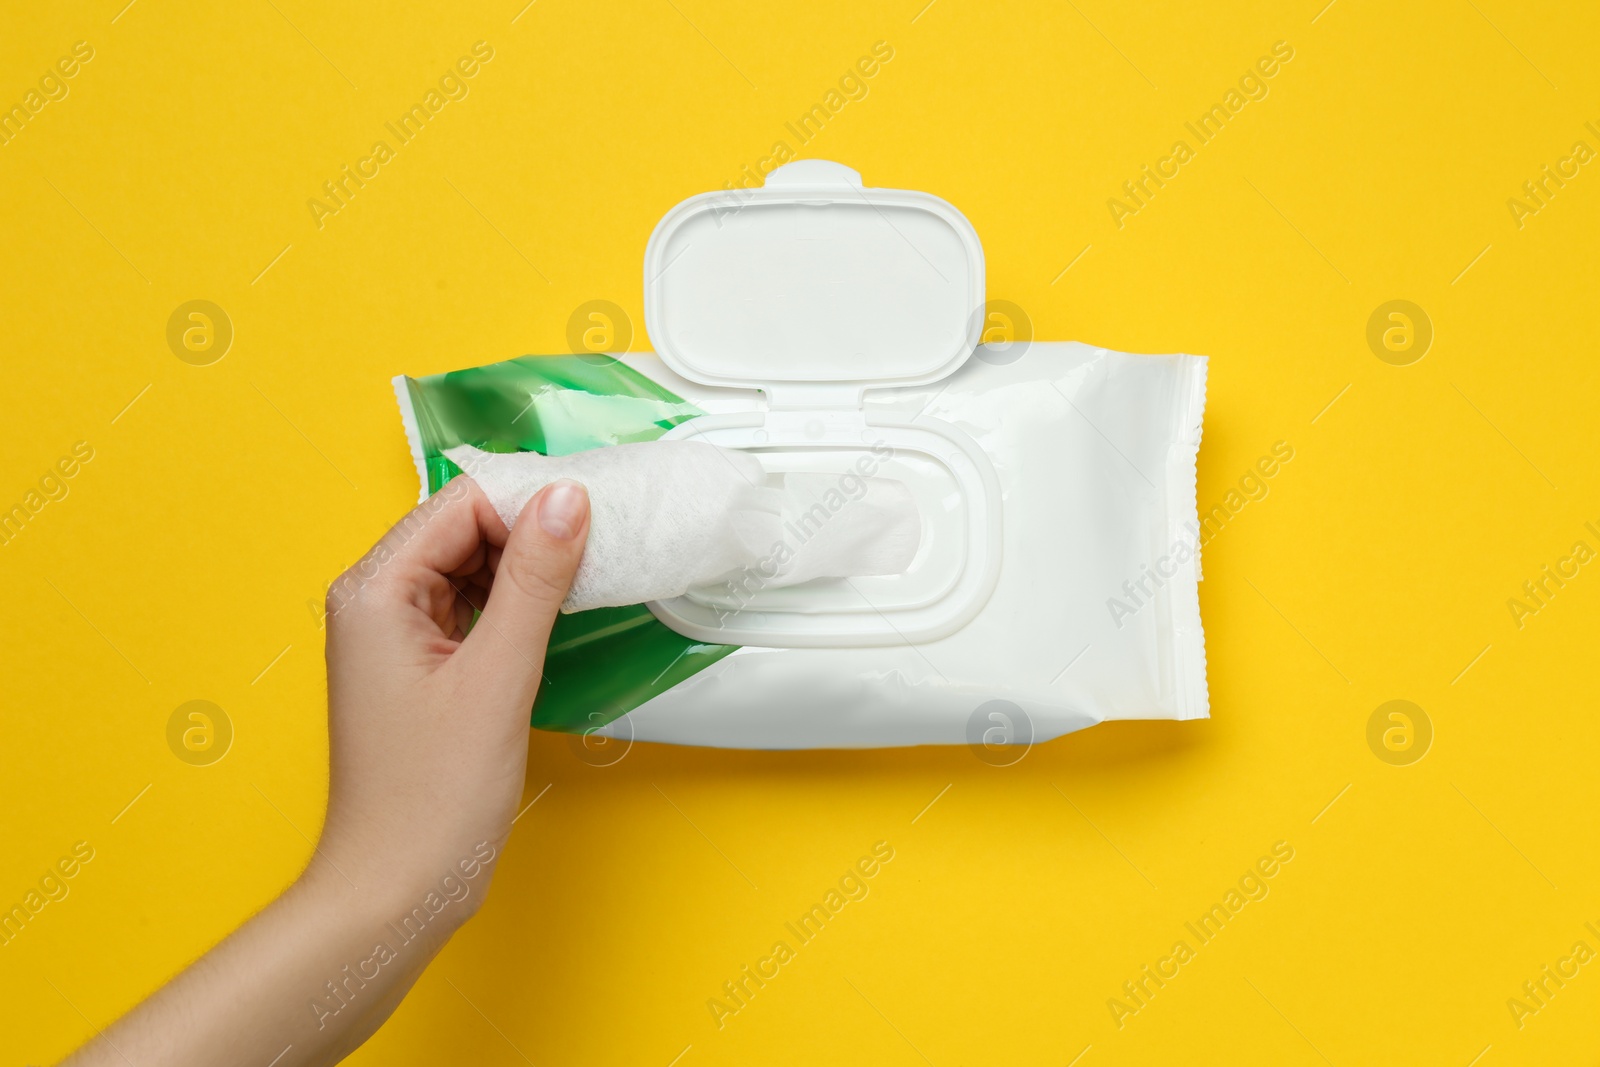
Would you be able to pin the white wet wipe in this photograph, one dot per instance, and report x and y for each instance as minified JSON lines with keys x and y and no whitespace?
{"x":667,"y":516}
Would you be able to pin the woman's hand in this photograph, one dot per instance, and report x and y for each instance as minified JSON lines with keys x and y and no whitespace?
{"x":428,"y":740}
{"x":428,"y":726}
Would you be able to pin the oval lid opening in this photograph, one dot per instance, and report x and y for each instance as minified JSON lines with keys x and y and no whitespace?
{"x":814,"y":278}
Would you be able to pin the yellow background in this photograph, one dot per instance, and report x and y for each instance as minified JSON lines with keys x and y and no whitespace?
{"x":216,"y":506}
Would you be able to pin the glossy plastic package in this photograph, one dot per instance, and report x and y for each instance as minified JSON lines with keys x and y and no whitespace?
{"x":1093,"y":613}
{"x":830,"y":330}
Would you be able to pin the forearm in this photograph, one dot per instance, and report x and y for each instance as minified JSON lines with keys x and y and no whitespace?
{"x":307,"y":980}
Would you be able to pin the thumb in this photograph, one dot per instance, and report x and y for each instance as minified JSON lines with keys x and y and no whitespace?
{"x":507,"y":646}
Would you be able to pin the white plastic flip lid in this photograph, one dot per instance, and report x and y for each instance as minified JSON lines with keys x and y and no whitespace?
{"x":813,"y":280}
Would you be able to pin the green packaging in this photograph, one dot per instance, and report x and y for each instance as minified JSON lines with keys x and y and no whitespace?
{"x":601,"y":664}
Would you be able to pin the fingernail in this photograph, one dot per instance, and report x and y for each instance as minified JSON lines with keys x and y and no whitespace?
{"x":561,"y":509}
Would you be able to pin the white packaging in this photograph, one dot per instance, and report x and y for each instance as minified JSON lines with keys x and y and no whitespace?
{"x":1095,"y":611}
{"x":827,"y":328}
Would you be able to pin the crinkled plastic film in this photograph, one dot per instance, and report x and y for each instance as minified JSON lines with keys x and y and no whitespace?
{"x":601,"y":664}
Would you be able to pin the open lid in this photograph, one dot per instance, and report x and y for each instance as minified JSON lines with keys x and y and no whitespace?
{"x":814,"y":279}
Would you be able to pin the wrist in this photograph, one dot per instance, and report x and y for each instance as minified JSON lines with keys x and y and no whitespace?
{"x":432,"y":896}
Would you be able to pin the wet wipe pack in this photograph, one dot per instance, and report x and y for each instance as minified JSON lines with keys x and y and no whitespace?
{"x":831,"y":517}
